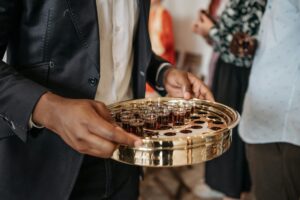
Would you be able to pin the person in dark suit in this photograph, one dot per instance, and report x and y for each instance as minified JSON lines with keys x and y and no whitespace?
{"x":65,"y":61}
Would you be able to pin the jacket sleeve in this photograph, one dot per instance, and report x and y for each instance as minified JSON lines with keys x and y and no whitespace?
{"x":18,"y":95}
{"x":155,"y":73}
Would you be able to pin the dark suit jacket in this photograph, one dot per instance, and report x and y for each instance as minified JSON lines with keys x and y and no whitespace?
{"x":52,"y":45}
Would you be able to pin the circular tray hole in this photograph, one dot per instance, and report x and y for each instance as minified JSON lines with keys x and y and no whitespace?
{"x":196,"y":127}
{"x":165,"y":127}
{"x":186,"y":131}
{"x":195,"y":117}
{"x":214,"y":117}
{"x":199,"y":122}
{"x":215,"y":128}
{"x":218,"y":122}
{"x":170,"y":134}
{"x":202,"y":113}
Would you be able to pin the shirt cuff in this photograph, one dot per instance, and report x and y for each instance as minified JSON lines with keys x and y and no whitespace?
{"x":33,"y":125}
{"x":159,"y":79}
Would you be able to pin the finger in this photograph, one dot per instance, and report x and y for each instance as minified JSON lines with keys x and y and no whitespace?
{"x":68,"y":140}
{"x":86,"y":142}
{"x":185,"y":85}
{"x":76,"y":140}
{"x":206,"y":93}
{"x":196,"y":89}
{"x":106,"y":130}
{"x":99,"y":147}
{"x":199,"y":88}
{"x":100,"y":154}
{"x":177,"y":81}
{"x":201,"y":97}
{"x":196,"y":85}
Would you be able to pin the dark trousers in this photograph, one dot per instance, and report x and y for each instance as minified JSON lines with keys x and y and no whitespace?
{"x":275,"y":170}
{"x":229,"y":173}
{"x":101,"y":179}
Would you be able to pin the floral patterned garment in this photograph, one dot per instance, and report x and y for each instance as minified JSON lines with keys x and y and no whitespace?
{"x":239,"y":16}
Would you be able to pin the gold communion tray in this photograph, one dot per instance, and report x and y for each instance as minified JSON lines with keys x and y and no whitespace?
{"x":169,"y":141}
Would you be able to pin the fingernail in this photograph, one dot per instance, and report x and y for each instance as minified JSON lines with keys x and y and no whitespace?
{"x":138,"y":143}
{"x":186,"y":95}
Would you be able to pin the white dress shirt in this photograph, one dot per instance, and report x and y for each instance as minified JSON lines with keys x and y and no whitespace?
{"x":272,"y":103}
{"x":117,"y":23}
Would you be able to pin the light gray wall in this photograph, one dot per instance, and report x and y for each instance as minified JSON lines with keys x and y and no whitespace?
{"x":184,"y":12}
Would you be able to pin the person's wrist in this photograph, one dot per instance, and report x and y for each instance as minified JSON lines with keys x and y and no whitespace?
{"x":34,"y":125}
{"x":166,"y":74}
{"x":159,"y":79}
{"x":45,"y":109}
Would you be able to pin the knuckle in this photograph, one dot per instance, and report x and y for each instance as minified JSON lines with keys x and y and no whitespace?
{"x":81,"y":148}
{"x":111,"y":133}
{"x":112,"y":136}
{"x":80,"y":137}
{"x":100,"y":104}
{"x":84,"y":122}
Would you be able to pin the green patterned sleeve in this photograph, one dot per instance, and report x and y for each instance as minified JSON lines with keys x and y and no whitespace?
{"x":221,"y":33}
{"x":251,"y":14}
{"x":214,"y":35}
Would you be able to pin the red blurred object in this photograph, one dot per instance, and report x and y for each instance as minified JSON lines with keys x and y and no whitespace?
{"x":213,"y":8}
{"x":161,"y":34}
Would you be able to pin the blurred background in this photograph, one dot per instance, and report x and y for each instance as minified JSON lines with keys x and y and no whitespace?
{"x":192,"y":53}
{"x":172,"y":38}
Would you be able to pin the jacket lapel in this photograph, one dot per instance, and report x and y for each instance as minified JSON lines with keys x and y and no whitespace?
{"x":85,"y":19}
{"x":142,"y":44}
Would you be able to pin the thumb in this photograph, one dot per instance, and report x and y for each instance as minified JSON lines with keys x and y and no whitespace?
{"x":102,"y":110}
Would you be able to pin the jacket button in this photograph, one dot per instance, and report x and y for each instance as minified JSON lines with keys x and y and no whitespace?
{"x":93,"y":82}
